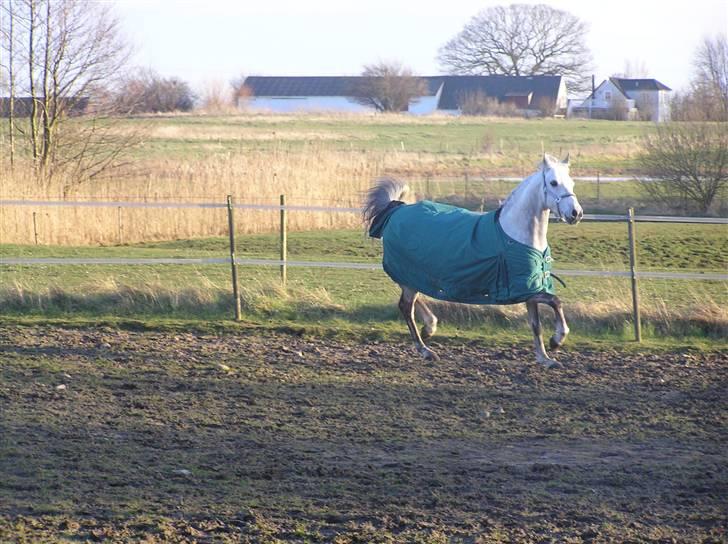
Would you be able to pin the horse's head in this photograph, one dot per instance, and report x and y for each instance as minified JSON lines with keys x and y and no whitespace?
{"x":558,"y":190}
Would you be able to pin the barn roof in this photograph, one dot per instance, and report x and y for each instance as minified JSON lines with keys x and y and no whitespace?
{"x":302,"y":86}
{"x":500,"y":87}
{"x":23,"y":105}
{"x":625,"y":85}
{"x":453,"y":87}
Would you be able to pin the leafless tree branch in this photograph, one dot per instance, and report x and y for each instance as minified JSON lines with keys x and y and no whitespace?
{"x":686,"y":164}
{"x":71,"y":52}
{"x":520,"y":40}
{"x":388,"y":87}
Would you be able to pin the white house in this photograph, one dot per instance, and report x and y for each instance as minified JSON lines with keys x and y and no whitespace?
{"x":444,"y":93}
{"x":625,"y":99}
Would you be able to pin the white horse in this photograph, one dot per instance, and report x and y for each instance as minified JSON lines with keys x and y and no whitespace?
{"x":523,"y":218}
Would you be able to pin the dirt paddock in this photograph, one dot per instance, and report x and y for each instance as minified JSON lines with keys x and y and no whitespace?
{"x":117,"y":435}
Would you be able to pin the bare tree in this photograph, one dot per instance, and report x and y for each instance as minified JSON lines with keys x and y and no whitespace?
{"x":389,"y":87}
{"x":707,"y":97}
{"x":686,"y":164}
{"x":521,"y":40}
{"x":710,"y":82}
{"x":216,"y":97}
{"x":69,"y":51}
{"x":145,"y":91}
{"x":241,"y":92}
{"x":7,"y":38}
{"x":238,"y":85}
{"x":634,"y":69}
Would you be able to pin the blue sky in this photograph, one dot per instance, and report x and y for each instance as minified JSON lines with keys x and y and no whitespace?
{"x":203,"y":41}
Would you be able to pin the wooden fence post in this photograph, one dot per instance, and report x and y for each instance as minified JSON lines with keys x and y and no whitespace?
{"x":233,"y":265}
{"x":632,"y":267}
{"x":118,"y":217}
{"x":284,"y":242}
{"x":35,"y":228}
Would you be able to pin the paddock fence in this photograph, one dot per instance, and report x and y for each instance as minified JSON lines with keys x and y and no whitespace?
{"x":283,"y":263}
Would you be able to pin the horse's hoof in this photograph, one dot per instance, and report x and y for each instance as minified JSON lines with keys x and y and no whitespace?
{"x":553,"y":344}
{"x":550,"y":363}
{"x":429,"y":355}
{"x":426,"y":332}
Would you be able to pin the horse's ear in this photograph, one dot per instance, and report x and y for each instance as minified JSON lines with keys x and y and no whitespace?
{"x":546,"y":163}
{"x":566,"y":160}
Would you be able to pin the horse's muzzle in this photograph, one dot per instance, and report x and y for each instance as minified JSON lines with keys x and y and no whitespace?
{"x":576,"y":216}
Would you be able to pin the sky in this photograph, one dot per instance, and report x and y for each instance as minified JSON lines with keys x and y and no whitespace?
{"x":207,"y":41}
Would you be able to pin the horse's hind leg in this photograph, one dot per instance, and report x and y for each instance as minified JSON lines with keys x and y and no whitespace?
{"x":429,"y":318}
{"x":407,"y":306}
{"x":535,"y":321}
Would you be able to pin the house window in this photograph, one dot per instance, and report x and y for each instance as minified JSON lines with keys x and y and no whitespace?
{"x":607,"y":95}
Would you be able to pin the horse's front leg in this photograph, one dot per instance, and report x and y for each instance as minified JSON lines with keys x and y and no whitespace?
{"x":407,"y":306}
{"x":535,"y":321}
{"x":562,"y":329}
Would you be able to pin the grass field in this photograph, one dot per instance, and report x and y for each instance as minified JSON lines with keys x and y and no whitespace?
{"x":504,"y":144}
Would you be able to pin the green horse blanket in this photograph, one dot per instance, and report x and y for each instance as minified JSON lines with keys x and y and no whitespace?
{"x":457,"y":255}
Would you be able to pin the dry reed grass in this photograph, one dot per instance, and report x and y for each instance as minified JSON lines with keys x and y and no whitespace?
{"x":157,"y":298}
{"x":609,"y":309}
{"x":311,"y":176}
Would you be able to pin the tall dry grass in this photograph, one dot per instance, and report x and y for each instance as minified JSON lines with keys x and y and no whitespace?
{"x":111,"y":296}
{"x":310,"y":176}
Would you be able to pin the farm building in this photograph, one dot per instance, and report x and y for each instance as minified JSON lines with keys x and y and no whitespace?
{"x":625,"y":99}
{"x":445,"y":94}
{"x":23,"y":105}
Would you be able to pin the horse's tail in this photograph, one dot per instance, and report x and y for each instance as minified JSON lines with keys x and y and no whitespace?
{"x":378,"y":197}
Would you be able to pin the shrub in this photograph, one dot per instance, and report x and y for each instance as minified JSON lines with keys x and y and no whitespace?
{"x":145,"y":91}
{"x":685,"y":164}
{"x":478,"y":103}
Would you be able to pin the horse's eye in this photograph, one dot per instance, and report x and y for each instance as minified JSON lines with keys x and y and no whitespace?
{"x":554,"y":183}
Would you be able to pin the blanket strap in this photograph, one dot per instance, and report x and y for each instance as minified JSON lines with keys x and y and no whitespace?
{"x":559,"y":279}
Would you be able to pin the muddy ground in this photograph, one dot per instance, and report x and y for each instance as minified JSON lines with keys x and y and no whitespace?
{"x":258,"y":436}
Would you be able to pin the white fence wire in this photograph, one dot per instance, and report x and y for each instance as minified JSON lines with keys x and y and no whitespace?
{"x":22,"y":261}
{"x":121,"y":261}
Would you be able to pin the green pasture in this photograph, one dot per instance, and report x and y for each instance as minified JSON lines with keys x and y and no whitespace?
{"x":364,"y":302}
{"x":594,"y":145}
